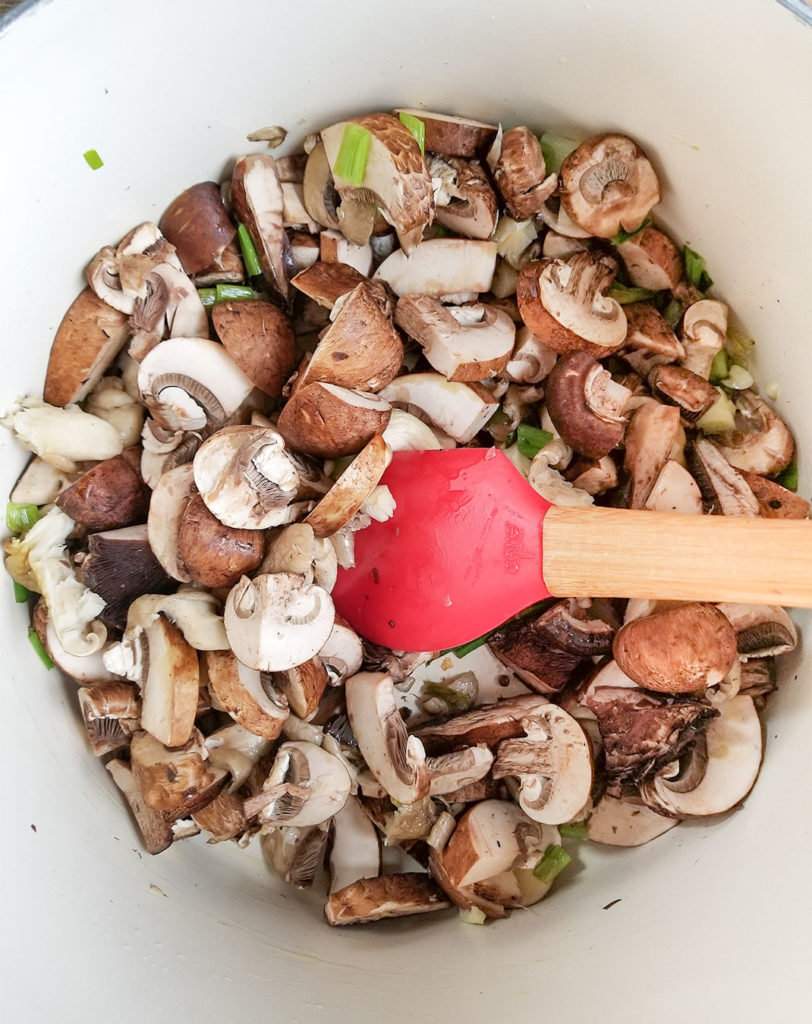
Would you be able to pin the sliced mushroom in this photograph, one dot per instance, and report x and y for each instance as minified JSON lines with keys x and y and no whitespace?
{"x":704,"y":327}
{"x":622,"y":822}
{"x":334,"y":247}
{"x":118,"y":275}
{"x":484,"y":843}
{"x":238,"y":690}
{"x":724,"y":489}
{"x":276,"y":621}
{"x":453,"y":136}
{"x":109,"y":495}
{"x":171,"y":495}
{"x":680,"y":650}
{"x":675,"y":385}
{"x":469,"y":206}
{"x":169,"y":307}
{"x":223,"y":818}
{"x":169,"y":684}
{"x":303,"y":686}
{"x":197,"y":224}
{"x":82,"y":668}
{"x":258,"y":337}
{"x":226,"y":269}
{"x":326,"y":420}
{"x":295,"y":548}
{"x":531,"y":361}
{"x":397,"y":760}
{"x":395,"y":174}
{"x":564,"y":303}
{"x":111,"y":713}
{"x":608,"y":185}
{"x":650,"y":438}
{"x":520,"y":173}
{"x":178,"y":781}
{"x":758,"y":679}
{"x":761,"y":630}
{"x":763,"y":443}
{"x":450,"y":772}
{"x":650,"y":342}
{"x":586,"y":405}
{"x":342,"y":653}
{"x":774,"y":501}
{"x":154,"y":826}
{"x":236,"y":751}
{"x":304,"y":251}
{"x":259,"y":202}
{"x":325,"y":283}
{"x":295,"y":853}
{"x":440,"y":267}
{"x":356,"y":850}
{"x":351,"y":490}
{"x":306,"y":786}
{"x":675,"y":490}
{"x":652,"y":260}
{"x":40,"y":483}
{"x":373,"y":899}
{"x":213,"y":554}
{"x":488,"y":724}
{"x":319,"y":195}
{"x":459,"y":409}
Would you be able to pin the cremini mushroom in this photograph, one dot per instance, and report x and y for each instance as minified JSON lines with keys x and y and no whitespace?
{"x":531,"y":361}
{"x":675,"y":385}
{"x":155,"y":827}
{"x":238,"y":690}
{"x":296,"y":549}
{"x":170,"y":680}
{"x":258,"y":337}
{"x":675,"y":490}
{"x":118,"y":275}
{"x":256,"y":193}
{"x":453,"y":136}
{"x":484,"y":843}
{"x":441,"y":267}
{"x":236,"y":751}
{"x":586,"y":405}
{"x":450,"y":772}
{"x":327,"y":420}
{"x":277,"y":621}
{"x":488,"y":724}
{"x":520,"y":173}
{"x":171,"y":495}
{"x":775,"y":501}
{"x":169,"y":307}
{"x":325,"y":283}
{"x":109,"y":495}
{"x":356,"y":849}
{"x":197,"y":224}
{"x":649,"y":341}
{"x":303,"y":686}
{"x":619,"y":821}
{"x":304,"y":251}
{"x":342,"y":653}
{"x":704,"y":326}
{"x":760,"y":442}
{"x":319,"y":195}
{"x":459,"y":409}
{"x":177,"y":781}
{"x":762,"y":630}
{"x":608,"y":185}
{"x":351,"y":490}
{"x":111,"y":713}
{"x":464,"y":200}
{"x":213,"y":554}
{"x":296,"y":853}
{"x":373,"y":899}
{"x":222,"y":819}
{"x":649,"y":440}
{"x":595,"y":476}
{"x":306,"y":786}
{"x":40,"y":483}
{"x":651,"y":259}
{"x":724,"y":489}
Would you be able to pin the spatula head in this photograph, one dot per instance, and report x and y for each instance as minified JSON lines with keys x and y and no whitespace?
{"x":460,"y":555}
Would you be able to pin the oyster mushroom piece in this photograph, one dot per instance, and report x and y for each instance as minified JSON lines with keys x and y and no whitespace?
{"x":731,"y":759}
{"x":724,"y":489}
{"x":469,"y":207}
{"x":649,"y":441}
{"x":464,"y":343}
{"x":564,"y":303}
{"x":197,"y":224}
{"x":259,"y":202}
{"x":356,"y":850}
{"x":177,"y":781}
{"x":652,"y":260}
{"x":374,"y":899}
{"x":86,"y":342}
{"x":327,"y":420}
{"x":169,"y":684}
{"x":238,"y":690}
{"x":488,"y":724}
{"x":520,"y":174}
{"x":325,"y":283}
{"x":109,"y":495}
{"x":685,"y":649}
{"x":622,"y":822}
{"x":675,"y":385}
{"x":397,"y":760}
{"x":277,"y":621}
{"x":704,"y":327}
{"x":763,"y":443}
{"x":440,"y":267}
{"x":675,"y":490}
{"x":395,"y":174}
{"x":110,"y":712}
{"x":608,"y":185}
{"x":258,"y":337}
{"x":761,"y":630}
{"x":453,"y":136}
{"x":306,"y":786}
{"x":459,"y":409}
{"x":171,"y":495}
{"x":191,"y":384}
{"x":450,"y":772}
{"x":213,"y":554}
{"x":110,"y":401}
{"x":553,"y":764}
{"x":586,"y":405}
{"x":351,"y":490}
{"x":485,"y":842}
{"x":61,"y":436}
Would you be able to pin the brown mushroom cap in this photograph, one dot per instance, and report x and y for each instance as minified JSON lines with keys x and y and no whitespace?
{"x":239,"y":691}
{"x":197,"y":224}
{"x":652,"y":259}
{"x":373,"y":899}
{"x":684,"y":649}
{"x":175,"y":781}
{"x":325,"y":283}
{"x":109,"y":495}
{"x":586,"y":405}
{"x":258,"y":200}
{"x":326,"y":420}
{"x":259,"y":338}
{"x":213,"y":554}
{"x":775,"y":501}
{"x":675,"y":385}
{"x":453,"y":136}
{"x":761,"y":442}
{"x":520,"y":173}
{"x":608,"y":185}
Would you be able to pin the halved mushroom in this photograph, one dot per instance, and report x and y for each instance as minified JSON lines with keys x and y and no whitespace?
{"x":488,"y":724}
{"x":484,"y":843}
{"x":169,"y":684}
{"x":154,"y":826}
{"x":450,"y":772}
{"x":319,"y":195}
{"x":564,"y":303}
{"x":704,"y":327}
{"x":178,"y":781}
{"x":171,"y":495}
{"x":258,"y":200}
{"x":685,"y":649}
{"x":675,"y":490}
{"x":395,"y":175}
{"x":373,"y":899}
{"x":111,"y":713}
{"x":649,"y":339}
{"x":325,"y":283}
{"x":761,"y":630}
{"x":303,"y":686}
{"x":649,"y":441}
{"x":238,"y":690}
{"x":531,"y":361}
{"x":215,"y":555}
{"x":118,"y":276}
{"x":521,"y":175}
{"x":618,"y":821}
{"x":351,"y":490}
{"x":295,"y":853}
{"x":592,"y":476}
{"x":652,"y":260}
{"x":228,"y":268}
{"x":342,"y":653}
{"x":197,"y":224}
{"x":109,"y":495}
{"x":608,"y":185}
{"x":465,"y":202}
{"x":86,"y":342}
{"x":397,"y":760}
{"x":724,"y":489}
{"x":277,"y":621}
{"x":553,"y":764}
{"x":356,"y":850}
{"x":306,"y":786}
{"x":326,"y":420}
{"x":440,"y":267}
{"x":170,"y":306}
{"x":459,"y":409}
{"x":586,"y":405}
{"x":258,"y":337}
{"x":774,"y":501}
{"x":334,"y":247}
{"x":61,"y":436}
{"x":675,"y":385}
{"x":731,"y":759}
{"x":761,"y":442}
{"x":296,"y":548}
{"x":453,"y":136}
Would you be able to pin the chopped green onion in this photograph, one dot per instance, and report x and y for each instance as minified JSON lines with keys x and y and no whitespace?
{"x":551,"y":865}
{"x":417,"y":128}
{"x":738,"y":379}
{"x":498,"y":426}
{"x":36,"y":643}
{"x":624,"y":236}
{"x":20,"y":518}
{"x":575,"y":830}
{"x":224,"y":292}
{"x":438,"y":231}
{"x":789,"y":478}
{"x":454,"y":699}
{"x":473,"y":916}
{"x":624,"y":294}
{"x":249,"y":252}
{"x":532,"y":439}
{"x":208,"y":296}
{"x":340,"y":464}
{"x":351,"y":162}
{"x":21,"y":593}
{"x":695,"y":269}
{"x":739,"y":346}
{"x":555,"y":149}
{"x":720,"y":367}
{"x":672,"y":312}
{"x":93,"y":160}
{"x":472,"y":645}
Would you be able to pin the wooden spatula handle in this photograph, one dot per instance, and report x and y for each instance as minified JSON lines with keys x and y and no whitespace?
{"x":604,"y":552}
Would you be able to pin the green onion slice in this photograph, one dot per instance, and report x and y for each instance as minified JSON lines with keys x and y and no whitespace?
{"x":555,"y":149}
{"x":351,"y":162}
{"x":208,"y":296}
{"x":575,"y":830}
{"x":224,"y":292}
{"x":36,"y":643}
{"x":789,"y":478}
{"x":20,"y":518}
{"x":624,"y":294}
{"x":21,"y":593}
{"x":249,"y":252}
{"x":532,"y":439}
{"x":458,"y":701}
{"x":93,"y":160}
{"x":417,"y":128}
{"x":719,"y":367}
{"x":695,"y":269}
{"x":672,"y":312}
{"x":472,"y":645}
{"x":624,"y":236}
{"x":551,"y":865}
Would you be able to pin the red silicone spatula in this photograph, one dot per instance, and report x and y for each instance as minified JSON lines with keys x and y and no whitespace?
{"x":471,"y":544}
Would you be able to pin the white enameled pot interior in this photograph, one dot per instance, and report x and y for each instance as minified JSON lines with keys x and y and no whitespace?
{"x":713,"y":921}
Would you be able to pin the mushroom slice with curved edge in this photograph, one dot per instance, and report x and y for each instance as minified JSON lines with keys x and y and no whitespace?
{"x":484,"y":843}
{"x":724,"y":490}
{"x":170,"y":306}
{"x":295,"y":853}
{"x":171,"y":495}
{"x":469,"y":206}
{"x":170,"y":684}
{"x":675,"y":385}
{"x":118,"y":275}
{"x":178,"y":781}
{"x":238,"y":690}
{"x":453,"y":136}
{"x":85,"y":668}
{"x":733,"y":758}
{"x":295,"y":548}
{"x":86,"y":342}
{"x":564,"y":303}
{"x":761,"y":630}
{"x":337,"y":247}
{"x":40,"y":483}
{"x":608,"y":185}
{"x":465,"y":897}
{"x":259,"y":202}
{"x":306,"y":786}
{"x":327,"y":420}
{"x":154,"y":826}
{"x":303,"y":686}
{"x":319,"y":194}
{"x":325,"y":283}
{"x":704,"y":327}
{"x":652,"y":260}
{"x":342,"y":653}
{"x":213,"y":554}
{"x":520,"y":174}
{"x":488,"y":724}
{"x":623,"y":822}
{"x":304,"y":250}
{"x":61,"y":436}
{"x":397,"y":760}
{"x":593,"y":476}
{"x":464,"y":343}
{"x":649,"y":440}
{"x":649,"y":342}
{"x":109,"y":495}
{"x":440,"y":267}
{"x":258,"y":337}
{"x":237,"y":751}
{"x":531,"y":361}
{"x":774,"y":501}
{"x":351,"y":489}
{"x":685,"y":649}
{"x":277,"y":621}
{"x":406,"y":433}
{"x":675,"y":490}
{"x":111,"y":712}
{"x":553,"y":764}
{"x":191,"y":384}
{"x":374,"y":899}
{"x":763,"y":444}
{"x":395,"y":174}
{"x":356,"y":849}
{"x":586,"y":405}
{"x":459,"y":409}
{"x":450,"y":772}
{"x":197,"y":224}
